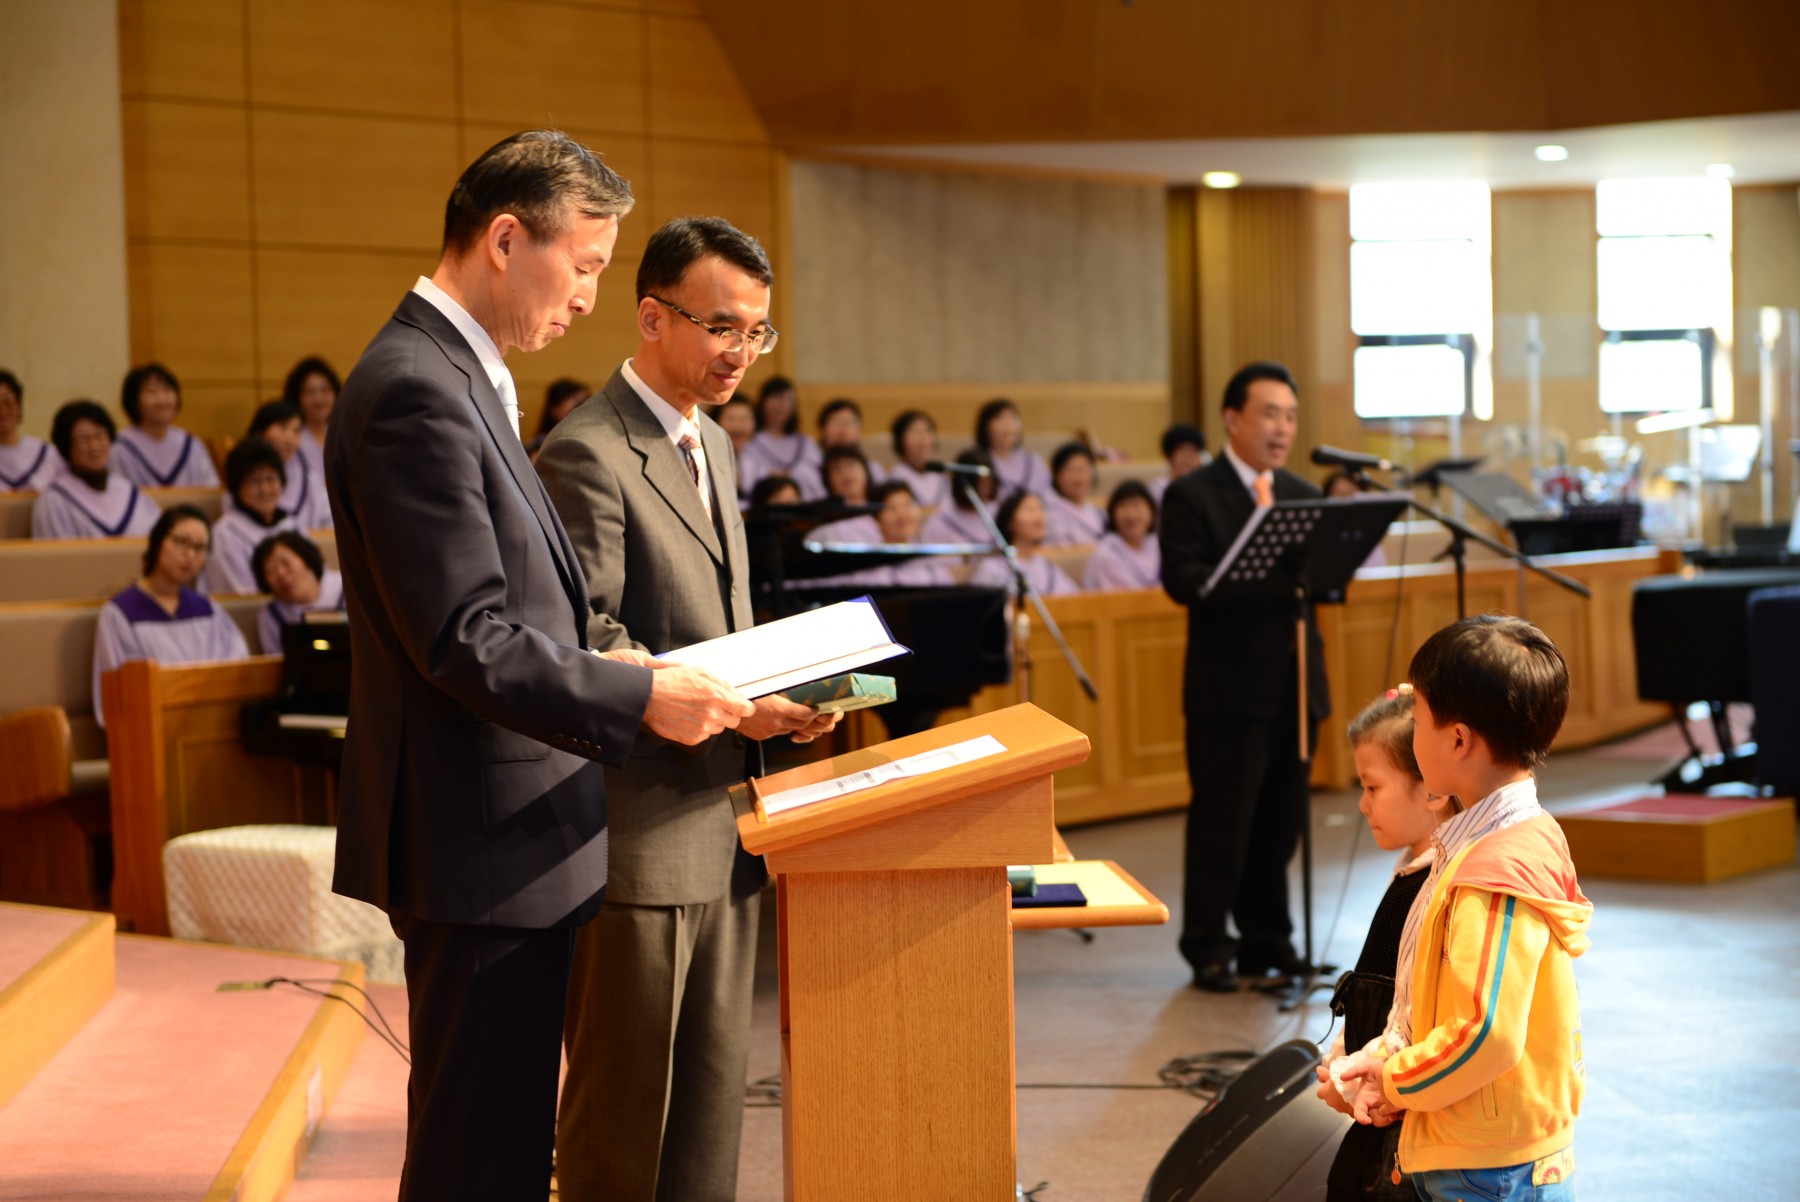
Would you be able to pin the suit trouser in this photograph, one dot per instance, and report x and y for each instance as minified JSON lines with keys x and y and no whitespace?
{"x":485,"y":1006}
{"x":658,"y":1033}
{"x":1248,"y":801}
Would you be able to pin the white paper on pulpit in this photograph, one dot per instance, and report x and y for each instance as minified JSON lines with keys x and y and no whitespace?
{"x":792,"y":651}
{"x":934,"y":760}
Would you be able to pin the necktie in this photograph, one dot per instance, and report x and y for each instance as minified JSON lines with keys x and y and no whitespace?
{"x":688,"y":446}
{"x":1264,"y":488}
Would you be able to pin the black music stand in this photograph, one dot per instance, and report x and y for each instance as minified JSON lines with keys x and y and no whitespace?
{"x":1305,"y":551}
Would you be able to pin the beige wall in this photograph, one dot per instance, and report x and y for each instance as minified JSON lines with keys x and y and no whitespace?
{"x":941,"y":289}
{"x":287,"y":165}
{"x":63,"y":324}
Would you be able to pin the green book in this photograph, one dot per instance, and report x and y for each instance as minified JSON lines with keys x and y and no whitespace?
{"x":850,"y":691}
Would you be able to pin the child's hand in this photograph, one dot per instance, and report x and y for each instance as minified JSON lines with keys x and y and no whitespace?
{"x":1328,"y":1093}
{"x":1368,"y":1104}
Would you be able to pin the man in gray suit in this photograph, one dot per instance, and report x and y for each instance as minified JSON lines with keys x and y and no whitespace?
{"x":659,"y":999}
{"x":472,"y":809}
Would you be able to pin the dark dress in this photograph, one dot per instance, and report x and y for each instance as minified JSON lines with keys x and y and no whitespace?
{"x":1363,"y":1170}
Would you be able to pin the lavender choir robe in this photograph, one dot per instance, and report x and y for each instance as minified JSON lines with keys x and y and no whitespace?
{"x":177,"y":460}
{"x":29,"y":466}
{"x":234,"y":540}
{"x":1072,"y":525}
{"x":303,"y":497}
{"x":927,"y":571}
{"x":133,"y":626}
{"x":931,"y":489}
{"x":1021,"y":470}
{"x":953,"y":525}
{"x":794,"y":455}
{"x":1115,"y":565}
{"x":278,"y":614}
{"x":1045,"y":576}
{"x":70,"y":509}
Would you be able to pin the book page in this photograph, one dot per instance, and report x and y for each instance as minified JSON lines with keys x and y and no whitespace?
{"x":779,"y":655}
{"x":913,"y":765}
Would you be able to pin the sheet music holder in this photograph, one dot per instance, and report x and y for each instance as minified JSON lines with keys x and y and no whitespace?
{"x":1318,"y":543}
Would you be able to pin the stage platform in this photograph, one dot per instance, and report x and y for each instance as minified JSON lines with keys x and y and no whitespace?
{"x":1681,"y":837}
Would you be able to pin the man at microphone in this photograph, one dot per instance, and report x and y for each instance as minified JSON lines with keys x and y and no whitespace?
{"x":1241,"y":698}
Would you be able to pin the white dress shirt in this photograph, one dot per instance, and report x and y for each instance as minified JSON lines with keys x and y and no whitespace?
{"x":487,"y":352}
{"x":678,"y":426}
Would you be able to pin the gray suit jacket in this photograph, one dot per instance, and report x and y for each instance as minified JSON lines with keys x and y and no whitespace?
{"x":660,"y":576}
{"x":468,"y":791}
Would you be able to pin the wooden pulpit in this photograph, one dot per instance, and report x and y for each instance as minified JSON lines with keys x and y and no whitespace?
{"x":897,"y":1063}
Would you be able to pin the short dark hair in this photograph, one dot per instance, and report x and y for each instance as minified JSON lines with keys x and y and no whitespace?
{"x":1387,"y":723}
{"x":558,"y":392}
{"x":1127,"y":490}
{"x":312,"y":365}
{"x":1182,"y":434}
{"x":770,"y":387}
{"x":1064,"y":453}
{"x":1009,"y":509}
{"x":989,"y":412}
{"x":159,"y":533}
{"x":840,"y":455}
{"x":1237,"y":389}
{"x":835,"y":406}
{"x":293,"y":540}
{"x":1501,"y":677}
{"x":8,"y":380}
{"x":246,"y":457}
{"x":540,"y":176}
{"x":905,"y":421}
{"x":887,"y":488}
{"x":62,"y":426}
{"x":272,"y":413}
{"x":136,"y":378}
{"x":768,"y":486}
{"x":681,"y":243}
{"x":962,"y":486}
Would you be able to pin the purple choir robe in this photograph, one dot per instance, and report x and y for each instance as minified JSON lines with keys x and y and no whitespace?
{"x":177,"y":460}
{"x":303,"y":497}
{"x":234,"y":539}
{"x":277,"y":614}
{"x":1072,"y":525}
{"x":133,"y":626}
{"x":1045,"y":576}
{"x":932,"y":489}
{"x":794,"y":455}
{"x":1021,"y":470}
{"x":70,"y":509}
{"x":953,"y":525}
{"x":928,"y":571}
{"x":29,"y":466}
{"x":1115,"y":565}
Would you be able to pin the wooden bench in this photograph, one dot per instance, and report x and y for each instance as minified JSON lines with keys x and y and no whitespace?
{"x":86,"y":569}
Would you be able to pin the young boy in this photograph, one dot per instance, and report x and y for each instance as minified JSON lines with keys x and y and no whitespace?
{"x":1484,"y":1046}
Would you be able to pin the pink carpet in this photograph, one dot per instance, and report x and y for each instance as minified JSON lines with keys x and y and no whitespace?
{"x":150,"y":1097}
{"x":28,"y":934}
{"x":1665,"y":742}
{"x":357,"y":1152}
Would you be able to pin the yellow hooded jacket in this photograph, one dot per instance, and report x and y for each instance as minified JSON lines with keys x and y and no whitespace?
{"x":1494,"y":1075}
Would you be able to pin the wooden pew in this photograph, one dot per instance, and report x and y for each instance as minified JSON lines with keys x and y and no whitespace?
{"x":179,"y":765}
{"x":86,"y":569}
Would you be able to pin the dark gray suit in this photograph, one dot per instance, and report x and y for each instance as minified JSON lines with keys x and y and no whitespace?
{"x":659,"y":1001}
{"x":471,"y":806}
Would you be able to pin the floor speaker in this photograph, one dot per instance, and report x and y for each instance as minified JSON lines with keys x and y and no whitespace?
{"x":1265,"y":1138}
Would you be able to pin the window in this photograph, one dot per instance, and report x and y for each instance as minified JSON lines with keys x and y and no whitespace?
{"x":1421,"y":299}
{"x":1664,"y":264}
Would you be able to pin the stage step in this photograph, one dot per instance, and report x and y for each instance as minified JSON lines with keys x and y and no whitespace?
{"x":174,"y":1091}
{"x":1681,"y":837}
{"x":56,"y":971}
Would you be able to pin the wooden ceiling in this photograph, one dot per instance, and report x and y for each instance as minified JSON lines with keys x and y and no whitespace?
{"x":835,"y":73}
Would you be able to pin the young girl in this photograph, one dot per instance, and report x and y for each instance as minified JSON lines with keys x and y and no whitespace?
{"x":1000,"y":431}
{"x":1074,"y":518}
{"x":1401,"y":817}
{"x":153,"y":452}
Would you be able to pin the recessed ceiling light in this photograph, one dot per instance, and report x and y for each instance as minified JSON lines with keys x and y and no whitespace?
{"x":1221,"y":179}
{"x":1551,"y":153}
{"x":1721,"y":170}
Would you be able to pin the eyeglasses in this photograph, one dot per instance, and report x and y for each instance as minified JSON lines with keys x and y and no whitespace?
{"x":731,"y":339}
{"x":188,"y":544}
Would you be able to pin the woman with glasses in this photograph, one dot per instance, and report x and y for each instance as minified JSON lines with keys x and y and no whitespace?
{"x":779,"y":447}
{"x":161,"y":617}
{"x":88,"y":499}
{"x":153,"y":452}
{"x":255,"y":479}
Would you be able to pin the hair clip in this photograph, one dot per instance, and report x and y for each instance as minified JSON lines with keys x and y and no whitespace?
{"x":1399,"y":690}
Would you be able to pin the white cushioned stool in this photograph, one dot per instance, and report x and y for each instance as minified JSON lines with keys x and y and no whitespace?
{"x":270,"y":887}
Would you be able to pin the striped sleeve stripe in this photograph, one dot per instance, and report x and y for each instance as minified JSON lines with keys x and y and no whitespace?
{"x":1498,"y":968}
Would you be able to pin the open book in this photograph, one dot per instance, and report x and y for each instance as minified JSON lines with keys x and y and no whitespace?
{"x":810,"y":646}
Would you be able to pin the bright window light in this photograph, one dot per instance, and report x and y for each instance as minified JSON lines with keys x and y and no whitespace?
{"x":1418,"y":287}
{"x":1419,"y":212}
{"x":1653,"y":376}
{"x":1409,"y":381}
{"x":1675,"y":283}
{"x":1635,"y":208}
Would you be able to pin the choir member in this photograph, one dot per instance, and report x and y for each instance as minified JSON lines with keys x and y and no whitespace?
{"x":290,"y":567}
{"x":153,"y":452}
{"x":27,"y":464}
{"x":1000,"y":431}
{"x":915,"y":445}
{"x":1023,"y":521}
{"x":779,"y":446}
{"x":1127,"y":555}
{"x":254,"y":481}
{"x":1075,"y":521}
{"x":88,"y":499}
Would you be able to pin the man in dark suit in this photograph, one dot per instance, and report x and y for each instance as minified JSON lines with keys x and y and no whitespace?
{"x":1241,"y":696}
{"x":472,"y":810}
{"x":659,"y":1001}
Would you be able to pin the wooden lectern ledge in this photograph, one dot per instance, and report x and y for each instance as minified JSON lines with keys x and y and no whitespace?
{"x":1114,"y":899}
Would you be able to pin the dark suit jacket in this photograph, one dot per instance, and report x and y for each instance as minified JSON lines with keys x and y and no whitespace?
{"x":660,"y":577}
{"x":1240,"y":659}
{"x":469,"y":791}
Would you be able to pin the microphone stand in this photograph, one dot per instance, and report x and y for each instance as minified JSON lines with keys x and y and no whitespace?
{"x":1029,"y":590}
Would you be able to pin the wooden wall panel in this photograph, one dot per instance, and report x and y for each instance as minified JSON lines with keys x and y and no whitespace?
{"x":694,"y":90}
{"x":307,"y":167}
{"x":354,"y":56}
{"x":188,"y":48}
{"x":187,"y":166}
{"x":195,"y":303}
{"x":330,"y":303}
{"x":531,"y":64}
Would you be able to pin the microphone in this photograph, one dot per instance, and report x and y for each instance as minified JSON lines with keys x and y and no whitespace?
{"x":956,"y":469}
{"x":1332,"y":457}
